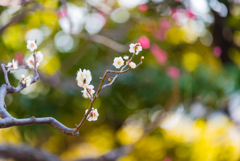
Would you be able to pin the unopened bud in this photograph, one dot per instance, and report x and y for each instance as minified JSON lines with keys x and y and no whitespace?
{"x":127,"y":62}
{"x":142,"y":57}
{"x":126,"y":57}
{"x":22,"y":76}
{"x":109,"y":79}
{"x":23,"y":82}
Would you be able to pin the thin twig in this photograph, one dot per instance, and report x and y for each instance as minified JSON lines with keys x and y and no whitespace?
{"x":104,"y":41}
{"x":18,"y":17}
{"x":5,"y":74}
{"x":101,"y":86}
{"x":89,"y":94}
{"x":100,"y":6}
{"x":114,"y":78}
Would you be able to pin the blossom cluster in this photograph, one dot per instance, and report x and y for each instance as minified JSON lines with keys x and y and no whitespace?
{"x":13,"y":66}
{"x":84,"y":77}
{"x":93,"y":116}
{"x":118,"y":62}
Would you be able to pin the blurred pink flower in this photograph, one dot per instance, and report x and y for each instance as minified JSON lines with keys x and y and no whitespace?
{"x":19,"y":57}
{"x":190,"y":14}
{"x":143,"y":7}
{"x":174,"y":10}
{"x":144,"y":41}
{"x":173,"y":72}
{"x":160,"y":32}
{"x":167,"y":159}
{"x":217,"y":51}
{"x":164,"y":23}
{"x":159,"y":54}
{"x":62,"y":13}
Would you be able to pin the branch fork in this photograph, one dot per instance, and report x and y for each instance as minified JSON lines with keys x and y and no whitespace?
{"x":9,"y":121}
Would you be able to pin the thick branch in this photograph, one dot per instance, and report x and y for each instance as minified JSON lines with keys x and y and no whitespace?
{"x":25,"y":153}
{"x":11,"y":121}
{"x":111,"y":156}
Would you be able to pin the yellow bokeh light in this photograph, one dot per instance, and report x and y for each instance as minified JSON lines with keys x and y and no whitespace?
{"x":191,"y":61}
{"x":53,"y":65}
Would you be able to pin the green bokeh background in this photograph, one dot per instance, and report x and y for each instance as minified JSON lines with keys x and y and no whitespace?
{"x":128,"y":105}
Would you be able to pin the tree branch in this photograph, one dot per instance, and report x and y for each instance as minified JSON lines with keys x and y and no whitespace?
{"x":5,"y":74}
{"x":100,"y":6}
{"x":25,"y":153}
{"x":104,"y":41}
{"x":17,"y":18}
{"x":101,"y":86}
{"x":121,"y":72}
{"x":111,"y":156}
{"x":9,"y":121}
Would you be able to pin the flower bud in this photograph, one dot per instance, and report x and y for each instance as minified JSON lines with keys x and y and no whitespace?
{"x":23,"y":82}
{"x":109,"y":79}
{"x":22,"y":76}
{"x":132,"y":65}
{"x":142,"y":57}
{"x":126,"y":57}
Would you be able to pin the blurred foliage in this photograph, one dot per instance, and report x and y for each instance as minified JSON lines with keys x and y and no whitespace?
{"x":200,"y":41}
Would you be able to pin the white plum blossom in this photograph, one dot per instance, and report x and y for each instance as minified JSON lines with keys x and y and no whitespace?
{"x":118,"y":62}
{"x":84,"y":78}
{"x":135,"y":48}
{"x":27,"y":80}
{"x":93,"y":116}
{"x":132,"y":65}
{"x":12,"y":66}
{"x":90,"y":89}
{"x":39,"y":57}
{"x":30,"y":60}
{"x":126,"y":57}
{"x":31,"y":45}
